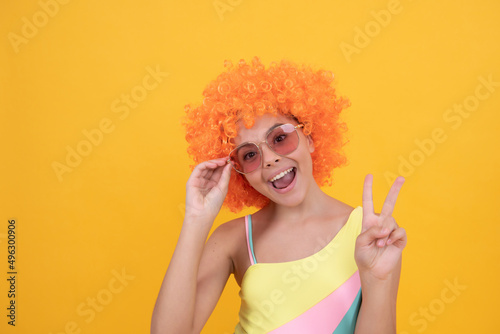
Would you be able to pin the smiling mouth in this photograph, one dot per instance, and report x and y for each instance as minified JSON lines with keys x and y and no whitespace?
{"x":283,"y":179}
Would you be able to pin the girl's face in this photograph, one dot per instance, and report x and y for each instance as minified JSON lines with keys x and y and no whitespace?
{"x":283,"y":179}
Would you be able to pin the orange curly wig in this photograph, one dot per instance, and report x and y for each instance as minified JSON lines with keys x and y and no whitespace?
{"x":247,"y":91}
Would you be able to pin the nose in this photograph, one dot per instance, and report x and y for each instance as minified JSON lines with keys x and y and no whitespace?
{"x":269,"y":158}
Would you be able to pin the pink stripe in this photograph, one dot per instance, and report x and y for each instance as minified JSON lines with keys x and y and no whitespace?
{"x":325,"y":316}
{"x":248,"y":241}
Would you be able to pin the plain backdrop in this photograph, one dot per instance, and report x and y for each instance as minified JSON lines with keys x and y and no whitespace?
{"x":94,"y":160}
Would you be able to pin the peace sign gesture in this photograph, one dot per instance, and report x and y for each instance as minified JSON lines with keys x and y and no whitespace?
{"x":381,"y":242}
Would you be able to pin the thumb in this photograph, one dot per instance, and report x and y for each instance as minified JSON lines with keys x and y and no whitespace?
{"x":218,"y":193}
{"x":225,"y":177}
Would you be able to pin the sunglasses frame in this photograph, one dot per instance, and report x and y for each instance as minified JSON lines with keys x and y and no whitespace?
{"x":265,"y":141}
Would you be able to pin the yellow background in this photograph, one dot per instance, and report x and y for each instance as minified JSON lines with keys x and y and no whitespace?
{"x":121,"y":207}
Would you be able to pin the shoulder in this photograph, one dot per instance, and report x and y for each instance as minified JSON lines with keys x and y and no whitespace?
{"x":232,"y":228}
{"x":228,"y":237}
{"x":355,"y":219}
{"x":347,"y":215}
{"x":340,"y":211}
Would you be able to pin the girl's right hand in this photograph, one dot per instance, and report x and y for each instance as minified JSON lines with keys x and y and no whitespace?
{"x":206,"y":189}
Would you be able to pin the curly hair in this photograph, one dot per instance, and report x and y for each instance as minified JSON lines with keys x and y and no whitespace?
{"x":247,"y":91}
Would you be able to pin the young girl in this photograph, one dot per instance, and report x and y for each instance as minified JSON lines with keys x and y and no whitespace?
{"x":305,"y":262}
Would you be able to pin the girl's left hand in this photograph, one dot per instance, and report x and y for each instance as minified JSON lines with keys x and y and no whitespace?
{"x":381,"y":242}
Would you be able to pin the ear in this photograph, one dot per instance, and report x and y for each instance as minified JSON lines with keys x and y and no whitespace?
{"x":310,"y":143}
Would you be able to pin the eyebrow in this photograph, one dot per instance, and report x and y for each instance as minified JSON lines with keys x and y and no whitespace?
{"x":268,"y":130}
{"x":272,"y":128}
{"x":275,"y":126}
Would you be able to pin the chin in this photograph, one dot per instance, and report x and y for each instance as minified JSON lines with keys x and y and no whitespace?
{"x":291,"y":199}
{"x":291,"y":202}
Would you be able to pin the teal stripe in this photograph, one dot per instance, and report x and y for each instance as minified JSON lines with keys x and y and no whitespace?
{"x":348,"y":323}
{"x":250,"y":240}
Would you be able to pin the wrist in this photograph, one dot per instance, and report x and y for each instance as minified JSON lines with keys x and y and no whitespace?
{"x":381,"y":280}
{"x":197,"y":224}
{"x":379,"y":288}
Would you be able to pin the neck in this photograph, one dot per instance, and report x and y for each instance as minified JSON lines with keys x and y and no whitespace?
{"x":314,"y":203}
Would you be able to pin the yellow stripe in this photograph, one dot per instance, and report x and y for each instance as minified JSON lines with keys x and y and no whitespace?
{"x":274,"y":293}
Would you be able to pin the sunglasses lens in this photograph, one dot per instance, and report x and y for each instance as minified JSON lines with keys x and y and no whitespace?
{"x":246,"y":158}
{"x":283,"y":139}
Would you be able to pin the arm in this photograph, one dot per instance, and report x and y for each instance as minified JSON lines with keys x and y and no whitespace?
{"x":378,"y":255}
{"x":197,"y":272}
{"x":377,"y":313}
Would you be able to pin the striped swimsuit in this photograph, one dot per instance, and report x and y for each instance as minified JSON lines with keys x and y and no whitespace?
{"x":319,"y":294}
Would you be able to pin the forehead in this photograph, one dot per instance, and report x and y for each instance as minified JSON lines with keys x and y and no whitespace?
{"x":258,"y":131}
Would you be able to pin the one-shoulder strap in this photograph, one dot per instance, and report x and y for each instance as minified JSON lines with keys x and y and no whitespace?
{"x":248,"y":230}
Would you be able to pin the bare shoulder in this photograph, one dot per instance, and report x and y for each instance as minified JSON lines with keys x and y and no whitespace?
{"x":340,"y":210}
{"x":227,"y":239}
{"x":229,"y":230}
{"x":338,"y":215}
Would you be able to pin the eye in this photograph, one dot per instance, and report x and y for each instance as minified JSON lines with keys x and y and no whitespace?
{"x":279,"y":138}
{"x":249,"y":155}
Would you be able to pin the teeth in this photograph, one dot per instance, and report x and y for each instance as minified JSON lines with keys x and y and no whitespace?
{"x":280,"y":175}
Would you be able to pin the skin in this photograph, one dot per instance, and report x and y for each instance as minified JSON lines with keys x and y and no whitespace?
{"x":199,"y":270}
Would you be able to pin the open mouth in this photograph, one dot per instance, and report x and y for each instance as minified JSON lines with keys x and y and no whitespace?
{"x":284,"y":179}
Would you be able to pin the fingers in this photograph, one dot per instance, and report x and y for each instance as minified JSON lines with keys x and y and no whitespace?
{"x":373,"y":234}
{"x":367,"y":196}
{"x":398,"y":238}
{"x":390,"y":200}
{"x":220,"y":167}
{"x":213,"y":164}
{"x":216,"y":194}
{"x":206,"y":168}
{"x":381,"y":234}
{"x":207,"y":187}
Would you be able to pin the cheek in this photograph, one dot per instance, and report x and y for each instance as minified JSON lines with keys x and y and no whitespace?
{"x":250,"y":178}
{"x":307,"y":160}
{"x":256,"y":183}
